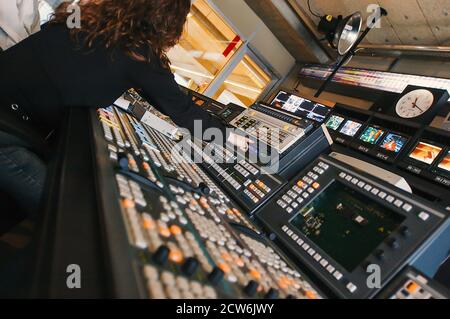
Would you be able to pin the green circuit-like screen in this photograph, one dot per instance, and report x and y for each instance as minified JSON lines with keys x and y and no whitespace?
{"x":346,"y":224}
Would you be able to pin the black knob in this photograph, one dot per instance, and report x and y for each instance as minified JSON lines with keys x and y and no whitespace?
{"x":190,"y":266}
{"x":204,"y":189}
{"x":380,"y":254}
{"x":161,"y":255}
{"x":393,"y":243}
{"x":272,"y":294}
{"x":290,"y":297}
{"x":251,"y":288}
{"x":122,"y":160}
{"x":216,"y":276}
{"x":404,"y":230}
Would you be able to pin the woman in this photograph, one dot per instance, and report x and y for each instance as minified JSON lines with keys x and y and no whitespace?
{"x":120,"y":45}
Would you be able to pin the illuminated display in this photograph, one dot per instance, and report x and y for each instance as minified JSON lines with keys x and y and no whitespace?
{"x":334,"y":122}
{"x":445,"y":163}
{"x":394,"y":143}
{"x":346,"y":224}
{"x":425,"y":153}
{"x":372,"y":135}
{"x":301,"y":107}
{"x":350,"y":128}
{"x":378,"y":80}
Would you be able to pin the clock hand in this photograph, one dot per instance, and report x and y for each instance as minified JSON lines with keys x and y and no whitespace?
{"x":415,"y":105}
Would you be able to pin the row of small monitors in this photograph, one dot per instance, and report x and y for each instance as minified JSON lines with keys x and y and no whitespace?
{"x":424,"y":152}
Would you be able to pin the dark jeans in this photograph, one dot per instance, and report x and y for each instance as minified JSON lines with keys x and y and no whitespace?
{"x":22,"y":175}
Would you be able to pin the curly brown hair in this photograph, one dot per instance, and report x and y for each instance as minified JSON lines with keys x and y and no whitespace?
{"x":135,"y":26}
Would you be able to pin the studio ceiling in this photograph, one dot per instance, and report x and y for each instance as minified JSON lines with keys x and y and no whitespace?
{"x":410,"y":22}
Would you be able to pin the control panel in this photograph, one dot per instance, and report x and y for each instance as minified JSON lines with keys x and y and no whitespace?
{"x":185,"y":237}
{"x":278,"y":131}
{"x":412,"y":284}
{"x":339,"y":222}
{"x":248,"y":183}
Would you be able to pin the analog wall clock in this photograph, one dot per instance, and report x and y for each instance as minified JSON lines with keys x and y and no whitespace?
{"x":414,"y":104}
{"x":419,"y":104}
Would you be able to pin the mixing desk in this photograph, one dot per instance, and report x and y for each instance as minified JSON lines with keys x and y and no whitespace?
{"x":164,"y":218}
{"x":187,"y":239}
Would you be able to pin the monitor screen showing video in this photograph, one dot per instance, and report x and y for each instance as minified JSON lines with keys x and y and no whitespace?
{"x":334,"y":122}
{"x":301,"y":107}
{"x":346,"y":224}
{"x":426,"y":153}
{"x":394,"y":143}
{"x":445,"y":163}
{"x":350,"y":128}
{"x":372,"y":135}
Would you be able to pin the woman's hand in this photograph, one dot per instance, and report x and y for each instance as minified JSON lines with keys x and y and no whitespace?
{"x":243,"y":143}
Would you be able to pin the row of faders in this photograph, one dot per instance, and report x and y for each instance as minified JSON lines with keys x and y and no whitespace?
{"x":187,"y":245}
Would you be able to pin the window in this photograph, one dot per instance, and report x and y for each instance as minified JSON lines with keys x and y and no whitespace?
{"x":212,"y":59}
{"x":207,"y":45}
{"x":245,"y":83}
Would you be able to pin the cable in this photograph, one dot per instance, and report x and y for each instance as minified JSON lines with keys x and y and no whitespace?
{"x":312,"y":12}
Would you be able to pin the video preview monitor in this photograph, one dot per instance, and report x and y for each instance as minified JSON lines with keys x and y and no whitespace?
{"x":301,"y":107}
{"x":426,"y":153}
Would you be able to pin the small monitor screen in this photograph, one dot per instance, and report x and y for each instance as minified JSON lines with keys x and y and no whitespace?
{"x":372,"y":135}
{"x":445,"y":163}
{"x":301,"y":107}
{"x":425,"y":153}
{"x":346,"y":224}
{"x":334,"y":122}
{"x":394,"y":143}
{"x":350,"y":128}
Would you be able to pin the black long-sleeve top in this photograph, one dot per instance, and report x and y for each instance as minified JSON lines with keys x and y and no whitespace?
{"x":49,"y":72}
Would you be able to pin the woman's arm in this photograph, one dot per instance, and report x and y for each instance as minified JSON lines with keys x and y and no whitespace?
{"x":161,"y":90}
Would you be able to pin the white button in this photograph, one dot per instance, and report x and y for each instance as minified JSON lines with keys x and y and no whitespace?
{"x":375,"y":191}
{"x":351,"y":287}
{"x":398,"y":203}
{"x":338,"y":275}
{"x":330,"y":269}
{"x":361,"y":184}
{"x":368,"y":188}
{"x":305,"y":246}
{"x":300,"y":241}
{"x":342,"y":175}
{"x":407,"y":207}
{"x":424,"y":216}
{"x":324,"y":263}
{"x":382,"y":195}
{"x":317,"y":257}
{"x":311,"y":252}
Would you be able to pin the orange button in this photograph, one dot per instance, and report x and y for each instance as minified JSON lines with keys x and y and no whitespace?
{"x":128,"y":203}
{"x":412,"y":287}
{"x":255,"y":274}
{"x":310,"y":294}
{"x":176,"y":256}
{"x":146,"y":166}
{"x":316,"y":185}
{"x":300,"y":184}
{"x":175,"y":230}
{"x":164,"y":232}
{"x":224,"y":267}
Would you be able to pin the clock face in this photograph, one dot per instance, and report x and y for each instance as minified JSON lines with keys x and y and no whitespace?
{"x":414,"y":104}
